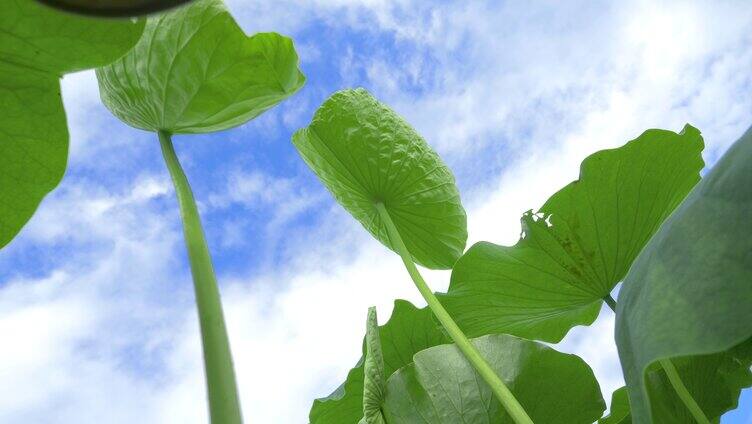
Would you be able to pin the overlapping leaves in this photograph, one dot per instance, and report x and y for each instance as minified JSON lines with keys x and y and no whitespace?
{"x":688,"y":296}
{"x":407,"y":332}
{"x":714,"y":381}
{"x":438,"y":385}
{"x":579,"y":245}
{"x":195,"y":71}
{"x":365,"y":154}
{"x":37,"y":46}
{"x":441,"y":387}
{"x":619,"y":412}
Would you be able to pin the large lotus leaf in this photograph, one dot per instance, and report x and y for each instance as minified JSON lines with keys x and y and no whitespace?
{"x":113,"y":7}
{"x":195,"y":71}
{"x":408,"y":331}
{"x":689,"y":293}
{"x":365,"y":153}
{"x":441,"y":387}
{"x":579,"y":245}
{"x":37,"y":46}
{"x":619,"y":412}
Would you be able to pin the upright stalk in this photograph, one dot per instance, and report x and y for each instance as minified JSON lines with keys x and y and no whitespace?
{"x":224,"y":407}
{"x":674,"y":379}
{"x":502,"y":392}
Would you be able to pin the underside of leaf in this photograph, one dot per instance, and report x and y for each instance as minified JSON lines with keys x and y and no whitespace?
{"x":37,"y":46}
{"x":365,"y":154}
{"x":441,"y":387}
{"x":688,"y":296}
{"x":196,"y":71}
{"x":714,"y":381}
{"x":33,"y":144}
{"x":579,"y":245}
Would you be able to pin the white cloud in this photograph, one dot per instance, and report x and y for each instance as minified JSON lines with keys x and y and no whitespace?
{"x":253,"y":191}
{"x":111,"y":335}
{"x":256,"y":189}
{"x":94,"y":144}
{"x":73,"y":335}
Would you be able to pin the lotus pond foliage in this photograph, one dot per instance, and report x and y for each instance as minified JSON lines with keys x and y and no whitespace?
{"x":573,"y":253}
{"x":639,"y":220}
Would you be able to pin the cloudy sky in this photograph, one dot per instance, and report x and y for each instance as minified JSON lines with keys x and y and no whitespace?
{"x":96,"y":302}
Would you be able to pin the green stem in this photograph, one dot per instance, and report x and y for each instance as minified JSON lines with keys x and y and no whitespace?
{"x":681,"y":390}
{"x":502,"y":392}
{"x":224,"y":407}
{"x":676,"y":381}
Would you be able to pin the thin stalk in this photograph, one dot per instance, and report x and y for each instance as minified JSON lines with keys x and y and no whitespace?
{"x":224,"y":407}
{"x":502,"y":392}
{"x":681,"y":390}
{"x":674,"y":379}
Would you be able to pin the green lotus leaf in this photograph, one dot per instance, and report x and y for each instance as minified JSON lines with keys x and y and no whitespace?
{"x":36,"y":37}
{"x":37,"y":46}
{"x":441,"y":387}
{"x":113,"y":7}
{"x":366,"y":154}
{"x":619,"y":412}
{"x":408,"y":331}
{"x":688,"y":296}
{"x":374,"y":381}
{"x":579,"y":245}
{"x":195,"y":71}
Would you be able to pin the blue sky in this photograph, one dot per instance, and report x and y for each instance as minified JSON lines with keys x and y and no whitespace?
{"x":96,"y":304}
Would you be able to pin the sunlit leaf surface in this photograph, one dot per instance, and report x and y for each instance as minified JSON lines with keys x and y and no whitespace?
{"x":196,"y":71}
{"x":579,"y":245}
{"x":365,"y":153}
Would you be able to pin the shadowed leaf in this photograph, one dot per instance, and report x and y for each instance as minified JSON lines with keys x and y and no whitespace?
{"x":441,"y":387}
{"x":688,"y":296}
